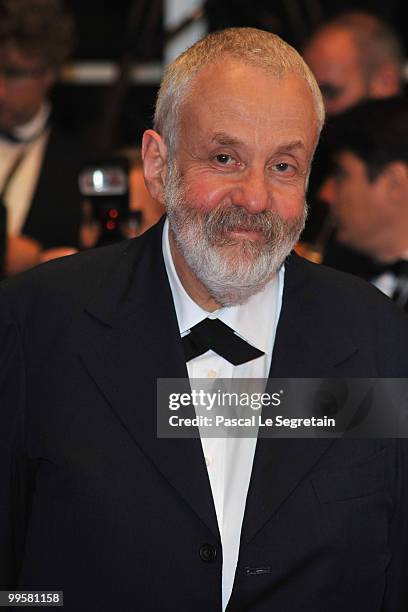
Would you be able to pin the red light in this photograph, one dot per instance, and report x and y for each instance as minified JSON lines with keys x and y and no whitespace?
{"x":110,"y":225}
{"x":113,"y":213}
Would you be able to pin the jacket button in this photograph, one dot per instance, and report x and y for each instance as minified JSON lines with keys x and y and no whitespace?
{"x":208,"y":552}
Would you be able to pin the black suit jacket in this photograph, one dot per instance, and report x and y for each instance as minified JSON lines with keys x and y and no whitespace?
{"x":55,"y":210}
{"x":94,"y":504}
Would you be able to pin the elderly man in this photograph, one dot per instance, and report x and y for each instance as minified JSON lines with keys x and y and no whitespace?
{"x":38,"y":160}
{"x":93,"y":502}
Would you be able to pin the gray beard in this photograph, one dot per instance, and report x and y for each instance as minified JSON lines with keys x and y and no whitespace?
{"x":232,"y":270}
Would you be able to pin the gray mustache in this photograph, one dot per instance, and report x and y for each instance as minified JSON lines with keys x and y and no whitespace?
{"x":220,"y":221}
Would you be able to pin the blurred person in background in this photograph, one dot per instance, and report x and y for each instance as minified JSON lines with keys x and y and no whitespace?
{"x":38,"y":161}
{"x":368,"y":189}
{"x":355,"y":56}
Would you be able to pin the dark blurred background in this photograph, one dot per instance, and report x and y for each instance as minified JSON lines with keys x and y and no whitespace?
{"x":131,"y":34}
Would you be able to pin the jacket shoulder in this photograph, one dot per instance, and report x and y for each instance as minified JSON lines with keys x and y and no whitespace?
{"x":332,"y":305}
{"x":66,"y":283}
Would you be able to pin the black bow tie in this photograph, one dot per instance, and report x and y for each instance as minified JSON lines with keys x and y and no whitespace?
{"x":214,"y":334}
{"x":398,"y":268}
{"x":10,"y":137}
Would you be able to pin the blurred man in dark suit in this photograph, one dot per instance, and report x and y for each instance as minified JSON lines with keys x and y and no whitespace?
{"x":38,"y":161}
{"x":368,"y":189}
{"x":355,"y":56}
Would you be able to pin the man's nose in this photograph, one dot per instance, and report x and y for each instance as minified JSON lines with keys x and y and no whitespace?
{"x":327,"y":191}
{"x":253,"y":192}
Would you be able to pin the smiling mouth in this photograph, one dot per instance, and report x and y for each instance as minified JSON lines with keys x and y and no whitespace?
{"x":248,"y":234}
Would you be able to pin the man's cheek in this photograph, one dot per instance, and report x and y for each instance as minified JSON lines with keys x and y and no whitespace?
{"x":206,"y":194}
{"x":290,"y":208}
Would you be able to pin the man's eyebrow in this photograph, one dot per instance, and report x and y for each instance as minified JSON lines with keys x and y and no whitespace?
{"x":225,"y":139}
{"x":289,"y":147}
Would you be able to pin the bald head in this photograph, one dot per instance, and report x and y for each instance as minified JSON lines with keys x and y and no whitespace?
{"x":354,"y":57}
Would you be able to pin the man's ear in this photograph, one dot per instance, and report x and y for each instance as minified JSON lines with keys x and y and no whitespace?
{"x":154,"y":153}
{"x":395,"y":175}
{"x":49,"y":77}
{"x":385,"y":82}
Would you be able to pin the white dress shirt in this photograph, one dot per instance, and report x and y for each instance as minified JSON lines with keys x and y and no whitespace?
{"x":229,"y":460}
{"x":388,"y":282}
{"x":23,"y":183}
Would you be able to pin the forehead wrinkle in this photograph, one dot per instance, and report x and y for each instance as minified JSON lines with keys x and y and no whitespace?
{"x":223,"y":138}
{"x":240,"y":119}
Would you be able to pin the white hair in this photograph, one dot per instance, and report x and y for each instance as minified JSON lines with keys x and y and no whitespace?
{"x":256,"y":48}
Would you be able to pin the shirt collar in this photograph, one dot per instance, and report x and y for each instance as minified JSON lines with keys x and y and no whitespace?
{"x":254,"y":321}
{"x":33,"y":128}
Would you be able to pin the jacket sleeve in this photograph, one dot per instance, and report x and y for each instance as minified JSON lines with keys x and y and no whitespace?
{"x":13,"y":475}
{"x":396,"y":591}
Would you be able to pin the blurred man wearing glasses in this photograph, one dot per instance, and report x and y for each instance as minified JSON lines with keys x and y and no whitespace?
{"x":38,"y":163}
{"x":355,"y":56}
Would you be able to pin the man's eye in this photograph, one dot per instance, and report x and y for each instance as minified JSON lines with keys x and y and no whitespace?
{"x":284,"y":168}
{"x":339,"y":174}
{"x":224,"y":159}
{"x":330,"y":92}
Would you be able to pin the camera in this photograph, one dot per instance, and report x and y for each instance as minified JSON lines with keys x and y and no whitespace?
{"x":106,"y":217}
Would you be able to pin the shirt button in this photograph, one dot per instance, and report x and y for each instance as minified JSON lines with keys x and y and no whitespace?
{"x":208,"y":461}
{"x":212,"y":374}
{"x":208,"y":553}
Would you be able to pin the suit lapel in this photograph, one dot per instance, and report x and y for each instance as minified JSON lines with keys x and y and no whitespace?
{"x":128,"y":338}
{"x":305,"y":346}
